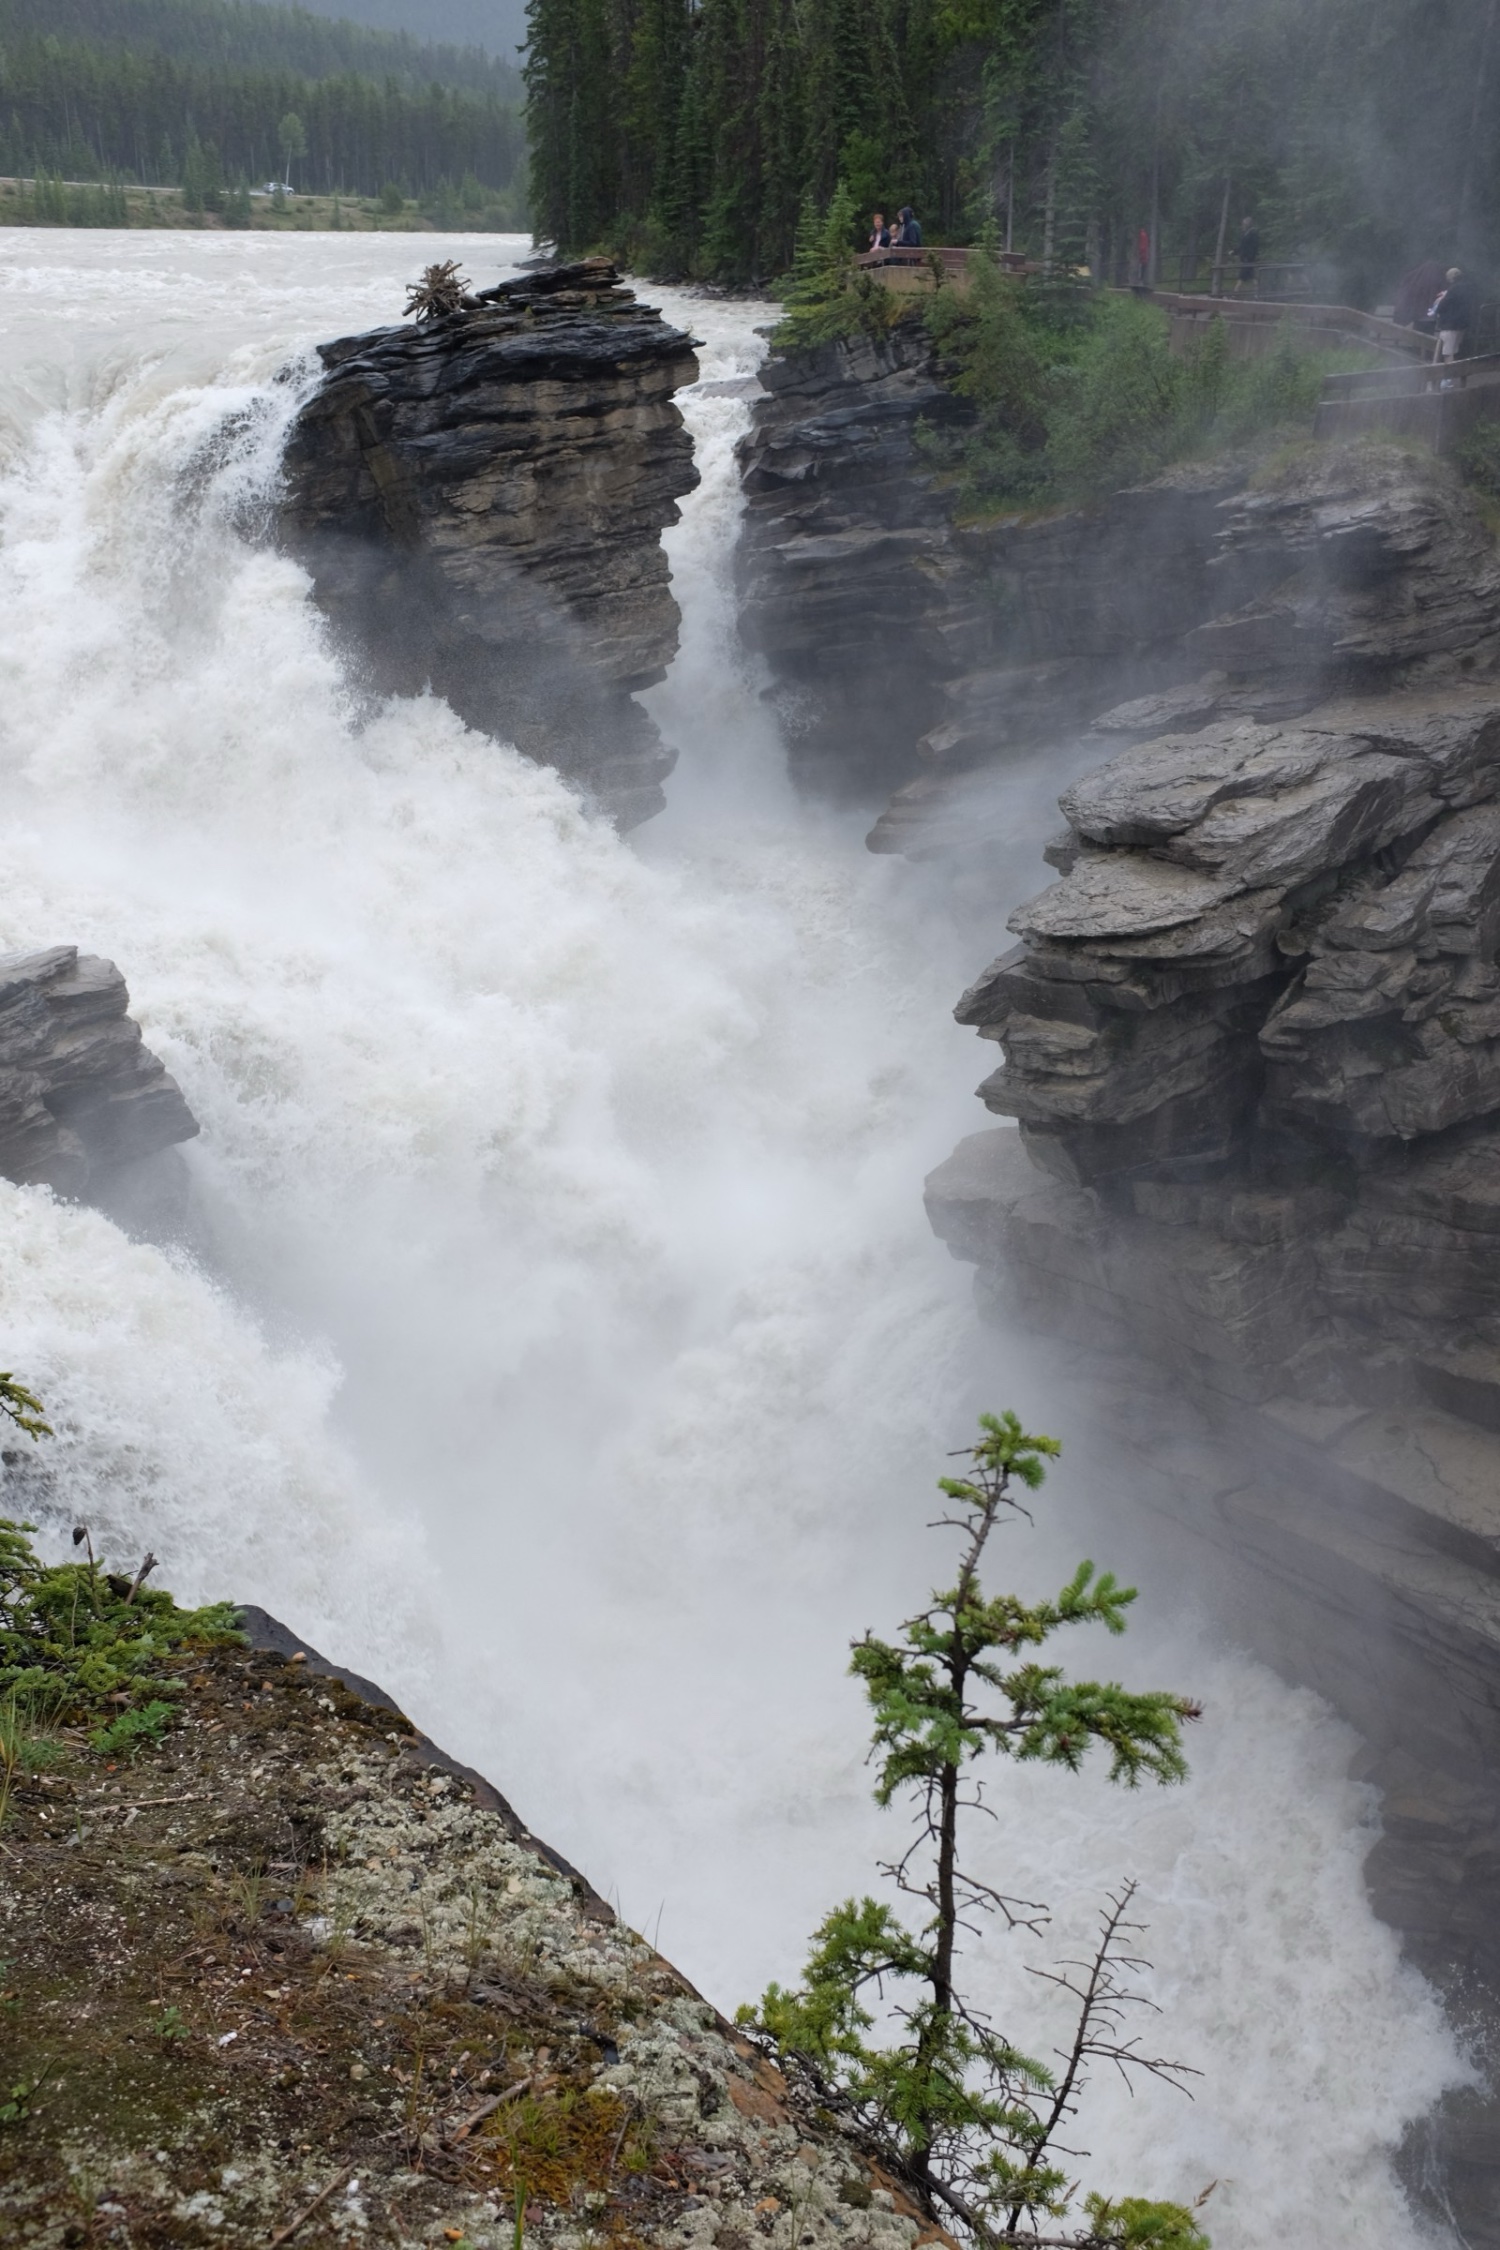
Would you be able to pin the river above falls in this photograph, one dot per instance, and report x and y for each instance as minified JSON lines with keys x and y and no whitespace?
{"x":560,"y":1338}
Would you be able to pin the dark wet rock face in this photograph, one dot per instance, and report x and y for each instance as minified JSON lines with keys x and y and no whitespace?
{"x":82,"y":1100}
{"x":480,"y":501}
{"x":845,"y":569}
{"x":918,"y":653}
{"x":1251,"y":1040}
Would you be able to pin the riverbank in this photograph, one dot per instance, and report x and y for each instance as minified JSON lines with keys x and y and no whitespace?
{"x":88,"y":203}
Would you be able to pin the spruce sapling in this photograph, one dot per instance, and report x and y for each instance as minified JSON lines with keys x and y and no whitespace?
{"x":962,"y":2114}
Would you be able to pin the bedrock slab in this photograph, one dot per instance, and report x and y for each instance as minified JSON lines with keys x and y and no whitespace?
{"x":349,"y":1967}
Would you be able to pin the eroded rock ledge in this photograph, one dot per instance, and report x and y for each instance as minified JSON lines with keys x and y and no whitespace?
{"x":314,"y":1981}
{"x":480,"y":501}
{"x":82,"y":1099}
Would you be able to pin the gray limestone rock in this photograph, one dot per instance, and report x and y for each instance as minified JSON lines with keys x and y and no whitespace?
{"x":81,"y":1097}
{"x":480,"y":501}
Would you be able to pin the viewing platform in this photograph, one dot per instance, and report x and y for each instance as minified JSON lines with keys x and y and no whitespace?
{"x":1438,"y":404}
{"x":1255,"y":325}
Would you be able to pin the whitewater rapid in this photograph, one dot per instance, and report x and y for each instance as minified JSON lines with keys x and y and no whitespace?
{"x":561,"y":1339}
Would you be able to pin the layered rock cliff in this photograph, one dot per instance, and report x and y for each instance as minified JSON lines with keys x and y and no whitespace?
{"x":1250,"y":1040}
{"x":82,"y":1099}
{"x":480,"y":501}
{"x":913,"y":651}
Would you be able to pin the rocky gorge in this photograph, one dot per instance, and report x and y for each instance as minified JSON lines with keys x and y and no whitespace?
{"x":1248,"y":1041}
{"x":320,"y":1982}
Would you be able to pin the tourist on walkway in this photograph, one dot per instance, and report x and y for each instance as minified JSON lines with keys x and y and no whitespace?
{"x":909,"y":233}
{"x":1456,"y":313}
{"x":1143,"y":258}
{"x":880,"y":233}
{"x":1249,"y":255}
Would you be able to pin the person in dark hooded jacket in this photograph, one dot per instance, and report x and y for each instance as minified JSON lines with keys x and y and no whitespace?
{"x":1456,"y":313}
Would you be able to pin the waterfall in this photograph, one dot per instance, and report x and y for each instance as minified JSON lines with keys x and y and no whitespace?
{"x":559,"y":1337}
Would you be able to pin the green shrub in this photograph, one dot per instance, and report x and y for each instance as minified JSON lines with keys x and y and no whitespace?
{"x":133,"y":1731}
{"x":1478,"y":459}
{"x":75,"y":1637}
{"x":1077,"y":392}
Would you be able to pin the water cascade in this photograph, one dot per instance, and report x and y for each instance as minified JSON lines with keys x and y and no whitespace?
{"x":558,"y":1337}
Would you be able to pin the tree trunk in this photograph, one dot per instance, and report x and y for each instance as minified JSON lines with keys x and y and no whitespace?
{"x":1049,"y":207}
{"x":1471,"y":152}
{"x":1218,"y":281}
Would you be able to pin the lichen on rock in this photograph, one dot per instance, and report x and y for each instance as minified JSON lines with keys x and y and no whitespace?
{"x":290,"y":1976}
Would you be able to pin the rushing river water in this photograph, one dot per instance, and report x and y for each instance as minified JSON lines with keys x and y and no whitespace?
{"x":563,"y":1341}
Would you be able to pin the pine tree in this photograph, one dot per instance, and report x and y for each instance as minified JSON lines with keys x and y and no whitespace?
{"x":961,"y":2112}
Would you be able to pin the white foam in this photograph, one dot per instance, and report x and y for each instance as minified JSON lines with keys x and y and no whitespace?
{"x":571,"y":1349}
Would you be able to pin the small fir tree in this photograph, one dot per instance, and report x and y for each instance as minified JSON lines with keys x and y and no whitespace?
{"x":962,"y":2113}
{"x":828,"y":296}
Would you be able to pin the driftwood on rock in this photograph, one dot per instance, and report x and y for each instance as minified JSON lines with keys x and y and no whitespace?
{"x":441,"y":290}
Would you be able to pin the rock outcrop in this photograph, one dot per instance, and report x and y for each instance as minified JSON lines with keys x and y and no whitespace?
{"x":844,"y":564}
{"x":81,"y":1097}
{"x":1250,"y":1040}
{"x":480,"y":501}
{"x":914,"y":651}
{"x":294,"y":1973}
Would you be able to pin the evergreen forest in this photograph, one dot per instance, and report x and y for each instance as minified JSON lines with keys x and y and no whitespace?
{"x":499,"y":26}
{"x":691,"y":136}
{"x":170,"y":92}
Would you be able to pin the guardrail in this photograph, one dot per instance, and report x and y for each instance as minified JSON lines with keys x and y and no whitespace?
{"x":1438,"y":404}
{"x":1256,"y":325}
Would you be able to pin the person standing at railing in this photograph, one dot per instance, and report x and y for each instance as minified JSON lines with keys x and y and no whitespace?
{"x":880,"y":233}
{"x":908,"y":234}
{"x":1249,"y":255}
{"x":1456,"y":313}
{"x":1414,"y":294}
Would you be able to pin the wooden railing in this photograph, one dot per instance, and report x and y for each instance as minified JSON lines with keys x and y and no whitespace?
{"x":1258,"y":322}
{"x":1439,"y":403}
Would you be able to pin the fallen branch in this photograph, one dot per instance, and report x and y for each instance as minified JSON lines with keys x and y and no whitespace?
{"x":135,"y":1804}
{"x":302,"y":2217}
{"x":147,"y":1566}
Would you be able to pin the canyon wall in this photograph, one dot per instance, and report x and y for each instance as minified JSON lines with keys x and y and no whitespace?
{"x":480,"y":500}
{"x":1248,"y":1041}
{"x":919,"y":656}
